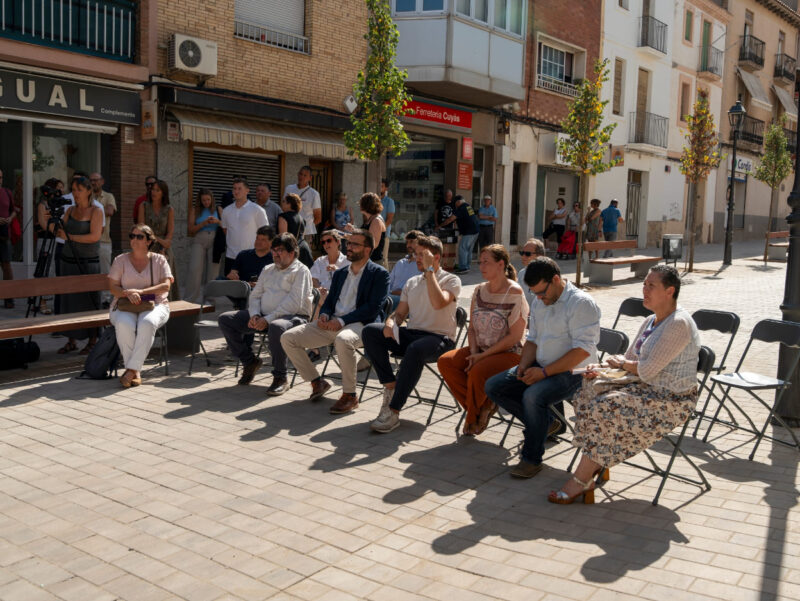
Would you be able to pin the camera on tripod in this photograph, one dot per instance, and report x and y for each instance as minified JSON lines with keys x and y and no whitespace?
{"x":55,"y":201}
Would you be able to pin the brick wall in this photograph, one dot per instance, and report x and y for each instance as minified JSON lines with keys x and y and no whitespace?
{"x":131,"y":163}
{"x":323,"y":78}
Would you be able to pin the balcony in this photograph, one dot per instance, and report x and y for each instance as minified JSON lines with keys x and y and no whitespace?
{"x":751,"y":53}
{"x":785,"y":67}
{"x":791,"y":139}
{"x":647,"y":128}
{"x":653,"y":34}
{"x":556,"y":85}
{"x":752,"y":131}
{"x":271,"y":36}
{"x":710,"y":62}
{"x":101,"y":28}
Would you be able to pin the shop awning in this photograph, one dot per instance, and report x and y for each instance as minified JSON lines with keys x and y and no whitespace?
{"x":756,"y":90}
{"x":98,"y":127}
{"x":206,"y":128}
{"x":785,"y":98}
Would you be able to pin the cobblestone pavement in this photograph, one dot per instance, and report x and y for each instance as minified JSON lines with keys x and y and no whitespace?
{"x":190,"y":487}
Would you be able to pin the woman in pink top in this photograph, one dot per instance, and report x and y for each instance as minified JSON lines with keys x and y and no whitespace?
{"x":139,"y":275}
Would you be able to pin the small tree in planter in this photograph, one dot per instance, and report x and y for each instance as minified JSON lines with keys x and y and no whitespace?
{"x":700,"y":155}
{"x":775,"y":166}
{"x":380,"y":92}
{"x":588,"y":139}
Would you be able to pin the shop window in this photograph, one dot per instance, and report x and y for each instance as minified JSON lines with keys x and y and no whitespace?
{"x":61,"y":152}
{"x":417,"y":185}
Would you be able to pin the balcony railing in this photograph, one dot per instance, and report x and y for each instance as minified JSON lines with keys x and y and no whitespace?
{"x":721,"y":3}
{"x":785,"y":67}
{"x":711,"y":60}
{"x":752,"y":131}
{"x":104,"y":28}
{"x":647,"y":128}
{"x":653,"y":33}
{"x":752,"y":50}
{"x":271,"y":36}
{"x":551,"y":84}
{"x":791,"y":139}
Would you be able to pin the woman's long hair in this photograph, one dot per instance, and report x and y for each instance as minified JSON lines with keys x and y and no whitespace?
{"x":498,"y":252}
{"x":162,"y":185}
{"x":199,"y":202}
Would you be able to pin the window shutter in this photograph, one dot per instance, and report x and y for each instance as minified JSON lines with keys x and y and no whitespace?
{"x":286,"y":15}
{"x":616,"y":107}
{"x":214,"y":169}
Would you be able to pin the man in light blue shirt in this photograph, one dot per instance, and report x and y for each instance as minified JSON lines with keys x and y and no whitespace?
{"x":563,"y":333}
{"x":405,"y":269}
{"x":611,"y":219}
{"x":487,"y":217}
{"x":388,"y":216}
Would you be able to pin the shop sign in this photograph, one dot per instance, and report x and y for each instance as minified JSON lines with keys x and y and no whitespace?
{"x":68,"y":98}
{"x":464,"y":176}
{"x":436,"y":114}
{"x":149,"y":120}
{"x":173,"y":131}
{"x":743,"y":164}
{"x":466,"y":149}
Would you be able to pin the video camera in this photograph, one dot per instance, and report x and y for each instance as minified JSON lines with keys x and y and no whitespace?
{"x":55,"y":200}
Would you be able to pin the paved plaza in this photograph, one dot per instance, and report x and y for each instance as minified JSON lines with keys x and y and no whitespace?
{"x":191,"y":487}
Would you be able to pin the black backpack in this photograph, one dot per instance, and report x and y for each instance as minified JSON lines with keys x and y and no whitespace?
{"x":16,"y":353}
{"x":101,"y":363}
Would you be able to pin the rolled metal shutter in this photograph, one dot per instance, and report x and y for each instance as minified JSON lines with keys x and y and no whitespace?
{"x":287,"y":15}
{"x":215,"y":169}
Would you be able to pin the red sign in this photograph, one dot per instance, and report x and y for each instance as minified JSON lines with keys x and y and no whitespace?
{"x":464,"y":176}
{"x":466,"y":149}
{"x":440,"y":115}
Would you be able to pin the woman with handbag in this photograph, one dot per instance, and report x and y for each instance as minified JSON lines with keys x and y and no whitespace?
{"x":140,"y":282}
{"x":637,"y":398}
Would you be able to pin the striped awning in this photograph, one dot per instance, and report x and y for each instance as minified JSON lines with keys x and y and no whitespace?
{"x":225,"y":130}
{"x":785,"y":98}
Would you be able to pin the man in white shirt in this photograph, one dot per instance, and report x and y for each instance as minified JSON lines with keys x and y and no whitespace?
{"x":563,"y":333}
{"x":281,"y":299}
{"x":356,"y":297}
{"x":405,"y":269}
{"x":240,"y":222}
{"x":429,"y":301}
{"x":311,"y":211}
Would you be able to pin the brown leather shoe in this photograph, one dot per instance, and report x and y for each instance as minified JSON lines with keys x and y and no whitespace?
{"x":318,"y":389}
{"x":347,"y":402}
{"x":249,"y":371}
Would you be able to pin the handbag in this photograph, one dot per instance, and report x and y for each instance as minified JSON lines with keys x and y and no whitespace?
{"x":124,"y":304}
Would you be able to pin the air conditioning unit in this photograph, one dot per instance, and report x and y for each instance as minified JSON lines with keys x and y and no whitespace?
{"x":193,"y":55}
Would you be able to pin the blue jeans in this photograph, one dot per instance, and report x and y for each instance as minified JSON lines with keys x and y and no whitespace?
{"x":465,"y":246}
{"x":530,"y":404}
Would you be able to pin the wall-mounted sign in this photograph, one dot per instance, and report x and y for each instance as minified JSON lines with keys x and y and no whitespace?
{"x":618,"y":152}
{"x":464,"y":176}
{"x":439,"y":115}
{"x":149,"y":120}
{"x":466,"y":149}
{"x":173,"y":131}
{"x":128,"y":134}
{"x":65,"y":97}
{"x":743,"y":164}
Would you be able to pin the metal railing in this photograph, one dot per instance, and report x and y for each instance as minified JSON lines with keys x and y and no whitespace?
{"x":752,"y":50}
{"x":271,"y":37}
{"x":752,"y":131}
{"x":104,"y":28}
{"x":791,"y":139}
{"x":551,"y":84}
{"x":653,"y":33}
{"x":647,"y":128}
{"x":711,"y":60}
{"x":785,"y":67}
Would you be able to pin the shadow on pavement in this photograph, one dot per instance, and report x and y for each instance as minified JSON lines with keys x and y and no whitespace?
{"x":238,"y":399}
{"x":297,"y":418}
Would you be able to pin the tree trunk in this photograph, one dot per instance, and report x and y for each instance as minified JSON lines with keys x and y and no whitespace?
{"x":773,"y":197}
{"x":584,"y":199}
{"x":690,"y":213}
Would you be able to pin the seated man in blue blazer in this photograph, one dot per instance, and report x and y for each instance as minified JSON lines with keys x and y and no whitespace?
{"x":355,"y":299}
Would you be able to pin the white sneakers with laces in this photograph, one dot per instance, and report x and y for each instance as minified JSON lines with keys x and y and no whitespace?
{"x":387,"y":419}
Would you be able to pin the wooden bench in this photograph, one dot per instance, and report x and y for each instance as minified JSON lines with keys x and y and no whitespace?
{"x":45,"y":324}
{"x":776,"y":251}
{"x":602,"y":269}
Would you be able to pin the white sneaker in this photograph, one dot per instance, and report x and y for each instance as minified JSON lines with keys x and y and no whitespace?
{"x":385,"y":414}
{"x":386,"y":423}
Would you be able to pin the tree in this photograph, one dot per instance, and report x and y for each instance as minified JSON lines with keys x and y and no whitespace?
{"x":699,"y":157}
{"x":775,"y":166}
{"x":380,"y":92}
{"x":587,"y":141}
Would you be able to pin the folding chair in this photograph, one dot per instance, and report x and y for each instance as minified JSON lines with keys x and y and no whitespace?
{"x":768,"y":331}
{"x":235,"y":290}
{"x":163,"y":351}
{"x":631,"y":307}
{"x":723,"y":322}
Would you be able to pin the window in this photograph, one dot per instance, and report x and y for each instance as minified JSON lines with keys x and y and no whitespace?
{"x":688,"y":25}
{"x":619,"y":71}
{"x":685,"y":101}
{"x":477,"y":9}
{"x":781,"y":42}
{"x":623,"y":4}
{"x":273,"y":22}
{"x":411,"y":6}
{"x":748,"y":23}
{"x":508,"y":15}
{"x":554,"y":63}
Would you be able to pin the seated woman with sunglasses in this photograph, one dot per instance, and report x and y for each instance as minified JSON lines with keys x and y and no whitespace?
{"x":533,"y":248}
{"x":140,"y":282}
{"x":322,"y":272}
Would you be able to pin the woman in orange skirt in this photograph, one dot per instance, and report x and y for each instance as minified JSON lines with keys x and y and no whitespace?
{"x":498,"y":316}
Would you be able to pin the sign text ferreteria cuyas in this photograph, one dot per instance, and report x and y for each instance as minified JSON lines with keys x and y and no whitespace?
{"x":68,"y":98}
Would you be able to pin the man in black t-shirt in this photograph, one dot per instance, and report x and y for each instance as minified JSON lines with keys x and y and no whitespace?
{"x":248,"y":264}
{"x":468,"y":229}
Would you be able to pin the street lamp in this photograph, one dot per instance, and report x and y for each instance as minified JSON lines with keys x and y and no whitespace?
{"x":735,"y":118}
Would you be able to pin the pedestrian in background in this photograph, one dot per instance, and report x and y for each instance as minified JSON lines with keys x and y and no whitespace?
{"x":487,"y":218}
{"x":611,"y":220}
{"x":468,"y":230}
{"x":387,"y":213}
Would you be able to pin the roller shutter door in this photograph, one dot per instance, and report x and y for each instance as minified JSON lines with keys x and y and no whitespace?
{"x":215,"y":169}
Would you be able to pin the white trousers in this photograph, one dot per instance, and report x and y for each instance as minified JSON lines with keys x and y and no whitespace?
{"x":136,"y":333}
{"x":200,"y":266}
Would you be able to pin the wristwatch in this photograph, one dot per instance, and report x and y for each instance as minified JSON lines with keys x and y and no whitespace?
{"x":430,"y":269}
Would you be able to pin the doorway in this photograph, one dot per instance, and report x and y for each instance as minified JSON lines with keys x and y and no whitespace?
{"x":634,"y":203}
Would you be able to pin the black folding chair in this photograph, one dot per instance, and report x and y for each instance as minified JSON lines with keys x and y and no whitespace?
{"x":233,"y":289}
{"x":767,"y":331}
{"x":723,"y":322}
{"x":631,"y":307}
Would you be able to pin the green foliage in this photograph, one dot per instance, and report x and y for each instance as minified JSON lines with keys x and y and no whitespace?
{"x":701,"y":154}
{"x":380,"y":92}
{"x":776,"y":164}
{"x":588,"y":137}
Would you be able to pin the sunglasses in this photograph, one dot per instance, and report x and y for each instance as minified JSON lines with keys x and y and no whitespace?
{"x":328,"y":241}
{"x":527,"y":253}
{"x":137,"y":236}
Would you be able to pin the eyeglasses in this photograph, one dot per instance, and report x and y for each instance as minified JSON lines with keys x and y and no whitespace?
{"x":528,"y":253}
{"x":349,"y":244}
{"x":133,"y":236}
{"x":328,"y":241}
{"x":542,"y":293}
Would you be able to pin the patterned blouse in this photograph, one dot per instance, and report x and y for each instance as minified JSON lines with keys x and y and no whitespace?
{"x":494,"y":314}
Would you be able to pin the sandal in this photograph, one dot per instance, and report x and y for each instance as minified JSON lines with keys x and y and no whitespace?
{"x":587,"y":490}
{"x":44,"y":310}
{"x":483,"y":419}
{"x":70,"y":346}
{"x":87,"y":349}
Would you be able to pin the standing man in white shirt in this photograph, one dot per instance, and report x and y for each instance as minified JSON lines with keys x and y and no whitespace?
{"x":109,"y":208}
{"x":311,"y":210}
{"x":240,"y":222}
{"x":281,"y":300}
{"x":388,"y":216}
